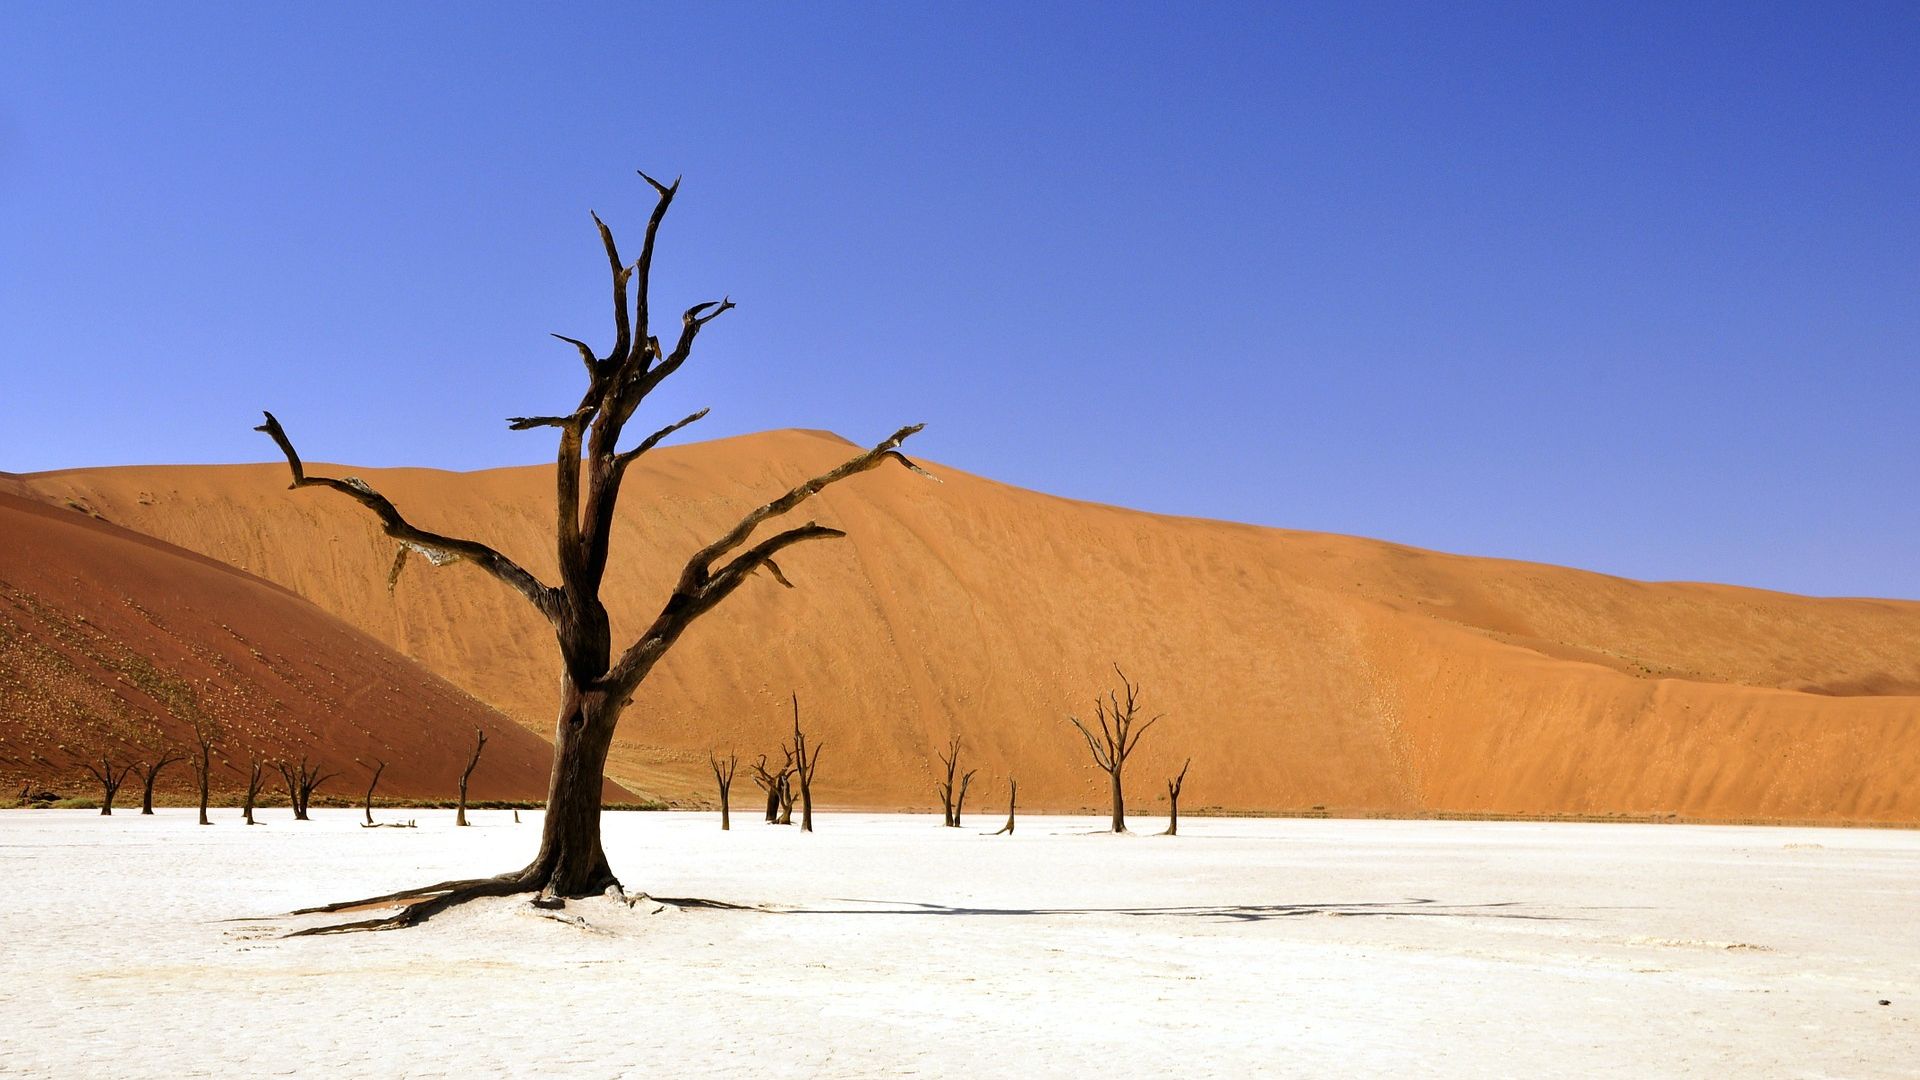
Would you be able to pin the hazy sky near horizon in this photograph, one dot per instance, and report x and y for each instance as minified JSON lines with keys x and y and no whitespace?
{"x":1629,"y":287}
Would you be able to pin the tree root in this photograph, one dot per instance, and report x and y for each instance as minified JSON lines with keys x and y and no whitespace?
{"x":417,"y":905}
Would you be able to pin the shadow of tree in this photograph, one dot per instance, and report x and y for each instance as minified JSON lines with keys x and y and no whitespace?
{"x":1411,"y":907}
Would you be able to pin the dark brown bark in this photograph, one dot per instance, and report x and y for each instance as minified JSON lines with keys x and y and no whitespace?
{"x":110,"y":782}
{"x":473,"y":759}
{"x":770,"y":784}
{"x":1013,"y":792}
{"x":723,"y":778}
{"x":804,"y":766}
{"x":589,"y":470}
{"x":952,"y":798}
{"x":379,"y":767}
{"x":203,"y":765}
{"x":778,"y":785}
{"x":302,"y":781}
{"x":254,"y":777}
{"x":148,"y":774}
{"x":1173,"y":800}
{"x":1118,"y":736}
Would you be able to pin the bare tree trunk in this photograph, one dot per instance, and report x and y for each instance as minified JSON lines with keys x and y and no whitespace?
{"x":960,"y":797}
{"x":379,"y":767}
{"x":1013,"y":792}
{"x":148,"y":774}
{"x":293,"y":790}
{"x":570,"y":861}
{"x":1173,"y":799}
{"x":253,"y":790}
{"x":723,"y":777}
{"x":204,"y":731}
{"x":473,"y":759}
{"x":951,"y":762}
{"x":805,"y":765}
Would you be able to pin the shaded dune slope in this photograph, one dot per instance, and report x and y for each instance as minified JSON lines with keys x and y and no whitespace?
{"x":1297,"y":669}
{"x":114,"y":641}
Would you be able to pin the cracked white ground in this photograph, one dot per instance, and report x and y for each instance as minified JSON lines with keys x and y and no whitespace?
{"x":885,"y":945}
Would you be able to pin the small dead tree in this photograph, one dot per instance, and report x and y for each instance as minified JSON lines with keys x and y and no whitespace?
{"x":1173,"y":800}
{"x":1118,"y":736}
{"x":767,"y":782}
{"x":804,"y":765}
{"x":255,"y":776}
{"x":203,"y":765}
{"x":379,"y":766}
{"x":302,"y":781}
{"x":952,"y":798}
{"x":1013,"y":792}
{"x":148,"y":774}
{"x":723,"y":777}
{"x":473,"y":759}
{"x":778,"y":784}
{"x":110,"y":782}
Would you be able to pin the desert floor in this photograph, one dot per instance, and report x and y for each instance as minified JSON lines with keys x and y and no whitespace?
{"x":884,"y":945}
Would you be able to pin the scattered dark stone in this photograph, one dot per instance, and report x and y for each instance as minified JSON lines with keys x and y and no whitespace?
{"x":1884,"y":1001}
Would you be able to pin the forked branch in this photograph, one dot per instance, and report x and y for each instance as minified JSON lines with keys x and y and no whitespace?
{"x":404,"y":531}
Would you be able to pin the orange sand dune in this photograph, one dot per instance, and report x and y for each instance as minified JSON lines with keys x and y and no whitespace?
{"x":113,"y":641}
{"x":1297,"y":669}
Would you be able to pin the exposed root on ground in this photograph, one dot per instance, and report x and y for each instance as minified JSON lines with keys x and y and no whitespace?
{"x":417,"y":905}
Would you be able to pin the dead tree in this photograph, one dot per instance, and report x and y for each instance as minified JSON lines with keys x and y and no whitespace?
{"x":769,"y":783}
{"x":1013,"y":792}
{"x":149,"y":773}
{"x":473,"y":759}
{"x":1118,"y":736}
{"x":723,"y":777}
{"x":778,"y":784}
{"x":202,"y":766}
{"x":804,"y":766}
{"x":379,"y":767}
{"x":109,"y":782}
{"x":952,"y":799}
{"x":254,"y":777}
{"x":784,"y":791}
{"x":597,"y":682}
{"x":302,"y":782}
{"x":1173,"y":800}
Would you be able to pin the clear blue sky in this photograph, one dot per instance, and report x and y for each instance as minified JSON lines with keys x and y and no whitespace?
{"x":1632,"y":288}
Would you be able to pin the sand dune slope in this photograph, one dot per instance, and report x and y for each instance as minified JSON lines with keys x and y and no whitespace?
{"x":1297,"y":669}
{"x":113,"y":641}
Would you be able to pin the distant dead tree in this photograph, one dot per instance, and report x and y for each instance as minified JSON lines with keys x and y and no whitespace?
{"x":1118,"y":736}
{"x":778,"y":785}
{"x":804,"y":766}
{"x":149,"y":773}
{"x":302,"y":781}
{"x":1013,"y":792}
{"x":203,"y":765}
{"x":473,"y":759}
{"x":1173,"y":800}
{"x":723,"y":777}
{"x":379,"y":767}
{"x":254,"y":777}
{"x":597,"y":682}
{"x":109,"y":782}
{"x":952,"y":799}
